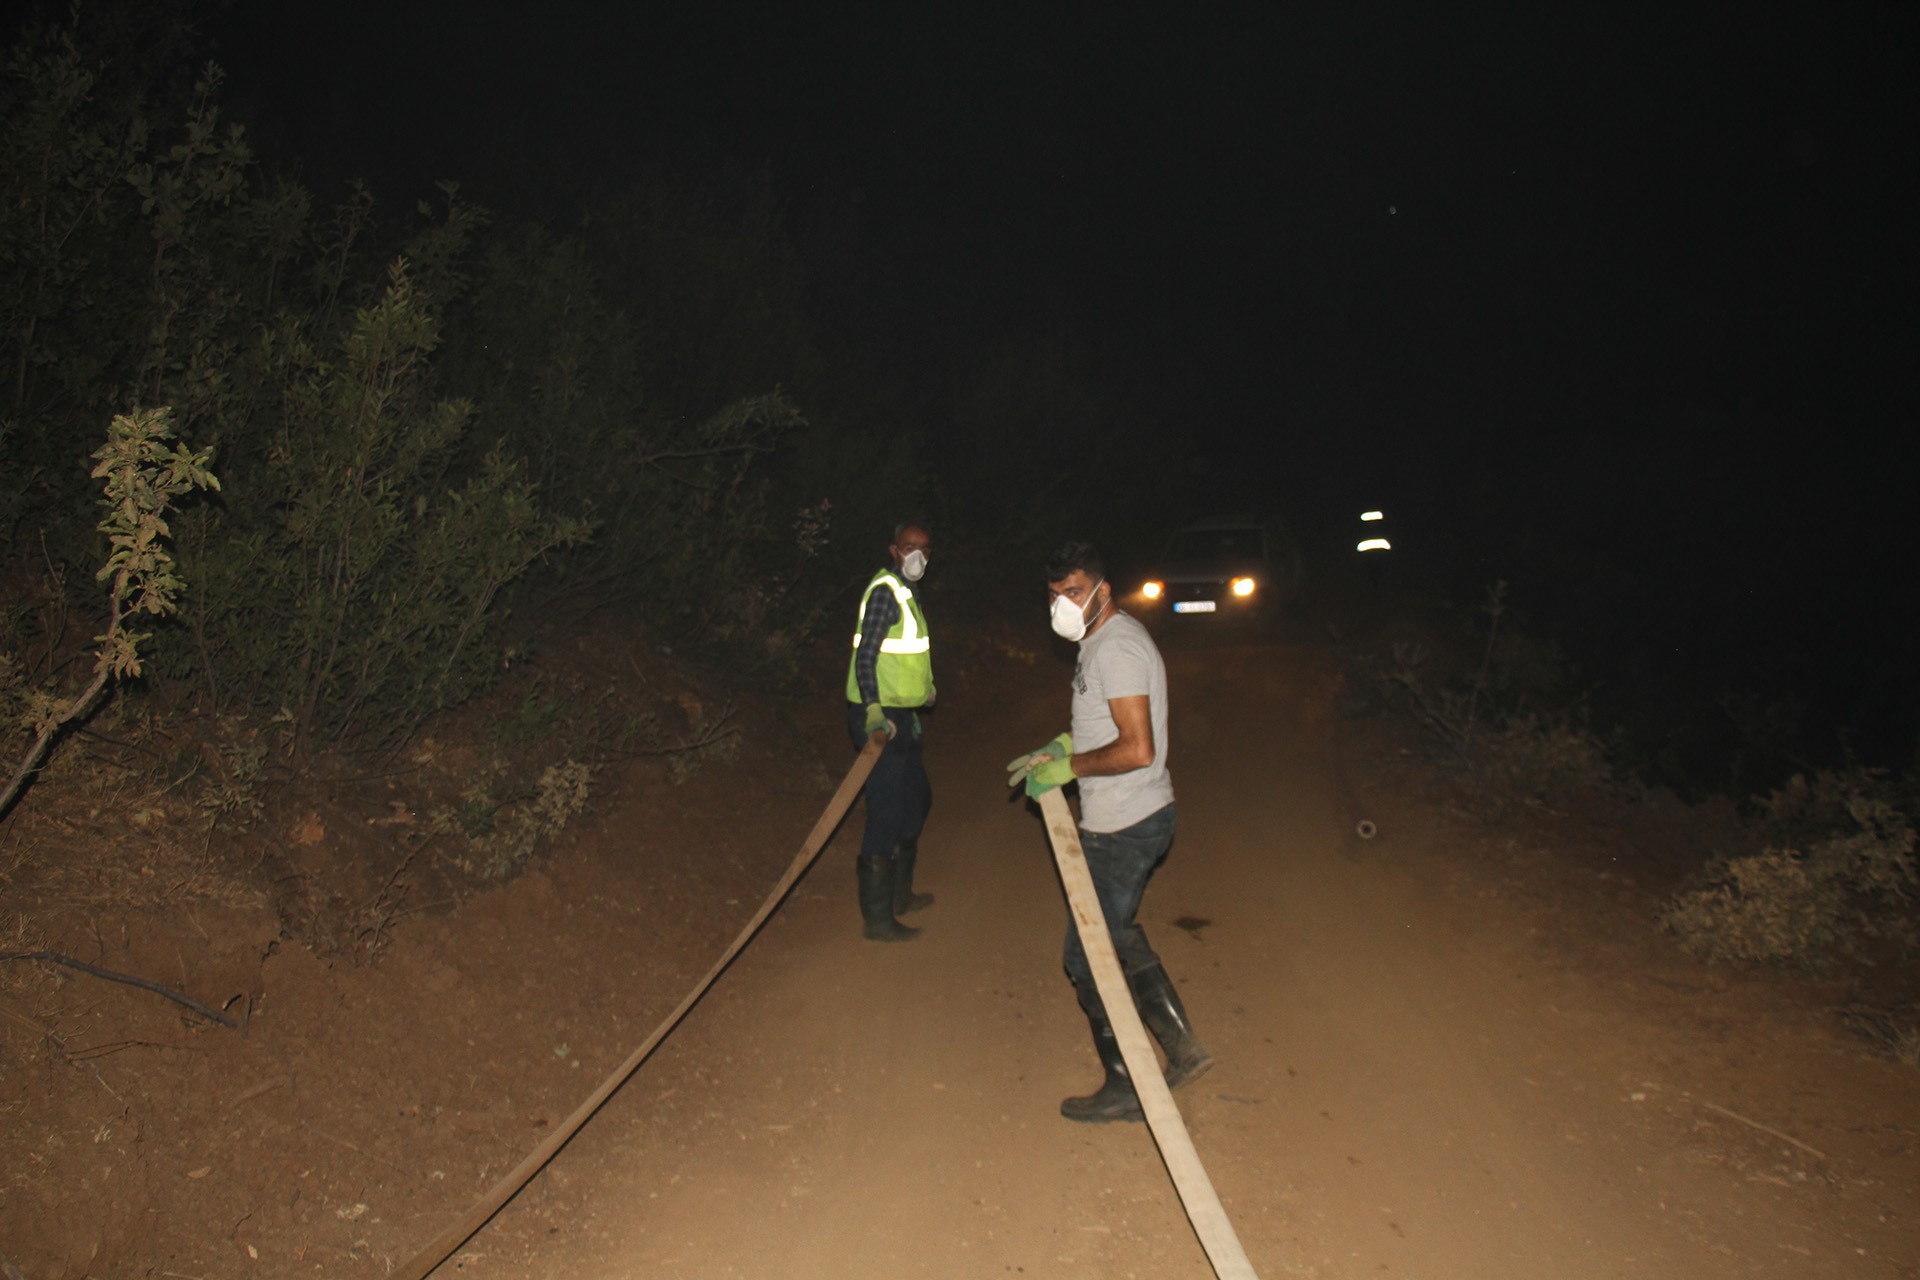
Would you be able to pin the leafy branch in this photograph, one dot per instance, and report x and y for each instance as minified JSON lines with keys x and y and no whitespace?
{"x":143,"y":475}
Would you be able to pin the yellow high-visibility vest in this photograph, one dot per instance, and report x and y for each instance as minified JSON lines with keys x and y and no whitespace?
{"x":905,"y":668}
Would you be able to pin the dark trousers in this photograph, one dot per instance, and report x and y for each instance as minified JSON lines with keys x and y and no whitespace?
{"x":1121,"y":863}
{"x":898,"y":794}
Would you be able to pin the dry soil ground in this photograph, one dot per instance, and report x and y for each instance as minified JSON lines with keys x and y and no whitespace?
{"x":1451,"y":1051}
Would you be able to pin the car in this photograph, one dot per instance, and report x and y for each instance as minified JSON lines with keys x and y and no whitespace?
{"x":1225,"y":567}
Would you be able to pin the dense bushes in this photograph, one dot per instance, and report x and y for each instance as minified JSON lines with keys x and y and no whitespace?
{"x":1831,"y":875}
{"x":1500,"y":714}
{"x":352,"y":577}
{"x":408,"y":414}
{"x":1835,"y":879}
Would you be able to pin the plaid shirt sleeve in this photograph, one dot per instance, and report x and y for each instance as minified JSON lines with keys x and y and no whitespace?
{"x":882,"y":612}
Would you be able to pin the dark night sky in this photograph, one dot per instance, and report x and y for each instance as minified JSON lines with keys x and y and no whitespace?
{"x":1614,"y":206}
{"x":1566,"y":285}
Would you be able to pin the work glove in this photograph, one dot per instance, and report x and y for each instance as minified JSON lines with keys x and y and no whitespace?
{"x":877,"y":721}
{"x":1047,"y":775}
{"x":916,"y":726}
{"x":1056,"y":753}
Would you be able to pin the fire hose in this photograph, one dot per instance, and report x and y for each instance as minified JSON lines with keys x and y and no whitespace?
{"x":1197,"y":1195}
{"x":1190,"y":1180}
{"x":441,"y":1248}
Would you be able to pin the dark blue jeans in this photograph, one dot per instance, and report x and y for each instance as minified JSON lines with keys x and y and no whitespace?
{"x":898,"y":794}
{"x":1122,"y":862}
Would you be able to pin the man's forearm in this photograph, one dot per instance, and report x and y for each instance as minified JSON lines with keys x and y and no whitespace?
{"x":866,"y":671}
{"x":1112,"y":760}
{"x":881,"y":615}
{"x":1131,"y":749}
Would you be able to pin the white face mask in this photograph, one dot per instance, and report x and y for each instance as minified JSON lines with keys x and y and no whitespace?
{"x":1070,"y":620}
{"x":913,"y":565}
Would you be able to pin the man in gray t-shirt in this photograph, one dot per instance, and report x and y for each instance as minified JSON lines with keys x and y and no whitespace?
{"x":1118,"y":660}
{"x":1117,"y":752}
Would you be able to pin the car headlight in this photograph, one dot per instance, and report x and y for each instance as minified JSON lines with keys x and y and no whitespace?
{"x":1242,"y":586}
{"x":1153,"y":590}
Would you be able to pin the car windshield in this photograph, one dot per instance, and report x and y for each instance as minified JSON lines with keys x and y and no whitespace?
{"x":1216,"y":544}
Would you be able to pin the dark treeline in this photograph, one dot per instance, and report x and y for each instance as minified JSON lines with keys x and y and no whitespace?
{"x":425,"y":415}
{"x":628,"y":362}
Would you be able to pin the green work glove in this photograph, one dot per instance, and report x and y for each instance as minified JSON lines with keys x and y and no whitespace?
{"x":1047,"y":775}
{"x":916,"y":726}
{"x":1060,"y":750}
{"x":877,"y":721}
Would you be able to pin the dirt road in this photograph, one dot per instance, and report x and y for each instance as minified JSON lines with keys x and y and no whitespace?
{"x":1409,"y":1082}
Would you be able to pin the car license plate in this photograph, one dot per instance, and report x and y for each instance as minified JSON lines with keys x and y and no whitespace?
{"x":1193,"y":606}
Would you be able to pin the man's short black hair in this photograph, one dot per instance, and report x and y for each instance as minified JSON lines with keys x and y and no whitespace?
{"x":1075,"y":555}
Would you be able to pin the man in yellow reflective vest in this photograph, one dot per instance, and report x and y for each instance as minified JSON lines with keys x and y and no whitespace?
{"x":889,"y":682}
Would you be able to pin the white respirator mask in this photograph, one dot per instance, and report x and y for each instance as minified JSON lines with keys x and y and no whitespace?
{"x":1069,"y":619}
{"x":913,"y":565}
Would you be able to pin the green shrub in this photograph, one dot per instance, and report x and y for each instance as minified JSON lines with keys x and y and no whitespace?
{"x":1845,"y":883}
{"x":501,"y":824}
{"x":231,"y":797}
{"x":1491,"y":727}
{"x":354,"y":583}
{"x":1541,"y":754}
{"x":610,"y":398}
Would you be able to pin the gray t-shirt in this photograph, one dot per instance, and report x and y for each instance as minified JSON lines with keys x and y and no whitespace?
{"x":1120,"y":660}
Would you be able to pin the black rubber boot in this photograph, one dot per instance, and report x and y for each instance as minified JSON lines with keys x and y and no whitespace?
{"x":905,"y":854}
{"x":1166,"y":1017}
{"x":1115,"y":1098}
{"x":876,"y":901}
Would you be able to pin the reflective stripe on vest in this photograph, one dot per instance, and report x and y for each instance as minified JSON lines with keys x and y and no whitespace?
{"x":903,"y":667}
{"x":909,"y":640}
